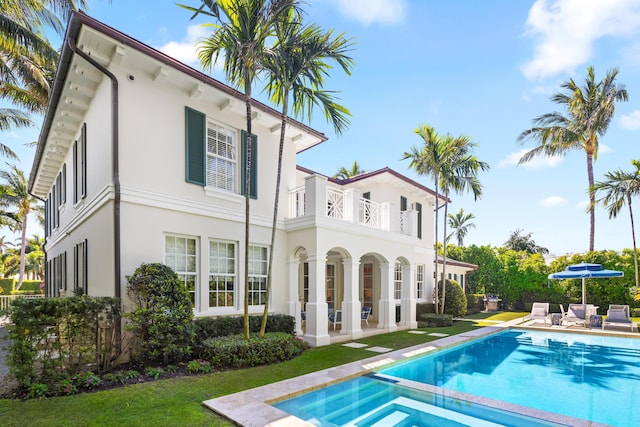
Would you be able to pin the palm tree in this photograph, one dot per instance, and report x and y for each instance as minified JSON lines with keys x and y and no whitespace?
{"x":430,"y":159}
{"x":460,"y":224}
{"x":297,"y":70}
{"x":240,"y":33}
{"x":618,"y":189}
{"x":345,"y":173}
{"x":27,"y":59}
{"x":590,"y":109}
{"x":460,"y":174}
{"x":14,"y":194}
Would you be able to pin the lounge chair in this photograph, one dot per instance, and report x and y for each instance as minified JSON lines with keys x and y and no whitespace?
{"x":539,"y":310}
{"x":364,"y":314}
{"x":335,"y":318}
{"x":618,"y":315}
{"x":576,"y":313}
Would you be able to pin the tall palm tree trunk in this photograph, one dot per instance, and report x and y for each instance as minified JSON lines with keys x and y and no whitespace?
{"x":633,"y":236}
{"x":592,"y":202}
{"x":444,"y":252}
{"x":23,"y":252}
{"x":247,"y":191}
{"x":435,"y":288}
{"x":276,"y":204}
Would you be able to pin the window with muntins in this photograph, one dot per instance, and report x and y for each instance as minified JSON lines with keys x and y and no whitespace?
{"x":397,"y":281}
{"x":222,"y":273}
{"x":222,"y":155}
{"x":180,"y":253}
{"x":258,"y":261}
{"x":420,"y":281}
{"x":215,"y":155}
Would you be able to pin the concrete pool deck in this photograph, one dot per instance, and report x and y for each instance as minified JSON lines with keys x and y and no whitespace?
{"x":253,"y":408}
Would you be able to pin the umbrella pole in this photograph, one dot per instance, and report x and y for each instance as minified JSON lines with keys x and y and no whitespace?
{"x":584,"y":290}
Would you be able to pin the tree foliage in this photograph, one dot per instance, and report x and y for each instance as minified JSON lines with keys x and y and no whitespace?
{"x":161,"y":318}
{"x":523,"y":242}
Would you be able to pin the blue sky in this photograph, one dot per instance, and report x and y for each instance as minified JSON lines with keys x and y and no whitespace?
{"x":479,"y":68}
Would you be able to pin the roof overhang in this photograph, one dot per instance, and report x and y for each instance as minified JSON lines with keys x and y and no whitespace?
{"x":76,"y":82}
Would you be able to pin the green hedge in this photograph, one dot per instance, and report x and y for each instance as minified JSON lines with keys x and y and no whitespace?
{"x":432,"y":320}
{"x":51,"y":337}
{"x":475,"y":303}
{"x":423,"y":308}
{"x":235,"y":351}
{"x":29,"y":287}
{"x":224,"y":326}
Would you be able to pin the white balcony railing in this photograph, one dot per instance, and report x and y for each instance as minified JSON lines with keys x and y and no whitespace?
{"x":297,"y":202}
{"x":336,"y":204}
{"x":370,"y":213}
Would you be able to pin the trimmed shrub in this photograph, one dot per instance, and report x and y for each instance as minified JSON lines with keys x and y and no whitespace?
{"x":59,"y":336}
{"x":237,"y":352}
{"x":475,"y":303}
{"x":455,"y":302}
{"x":214,"y":327}
{"x":162,"y":317}
{"x":432,"y":320}
{"x":424,"y":307}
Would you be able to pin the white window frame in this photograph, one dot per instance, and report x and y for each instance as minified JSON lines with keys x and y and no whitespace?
{"x":223,"y":270}
{"x":222,"y":153}
{"x":397,"y":281}
{"x":258,"y":266}
{"x":184,"y":264}
{"x":420,"y":281}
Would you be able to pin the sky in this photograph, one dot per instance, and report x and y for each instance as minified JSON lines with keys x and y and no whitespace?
{"x":484,"y":69}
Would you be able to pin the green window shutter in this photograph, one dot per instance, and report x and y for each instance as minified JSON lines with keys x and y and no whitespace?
{"x":419,"y":209}
{"x":196,"y":146}
{"x":253,"y":183}
{"x":403,"y":203}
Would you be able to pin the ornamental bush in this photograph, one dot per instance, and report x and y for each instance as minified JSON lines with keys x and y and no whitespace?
{"x":432,"y":320}
{"x":161,"y":319}
{"x":236,"y":351}
{"x":455,"y":301}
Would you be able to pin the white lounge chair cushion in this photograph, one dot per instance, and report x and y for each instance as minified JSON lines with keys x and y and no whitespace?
{"x":538,"y":311}
{"x":617,"y":315}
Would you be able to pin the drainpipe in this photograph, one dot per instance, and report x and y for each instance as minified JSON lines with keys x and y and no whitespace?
{"x":115,"y":172}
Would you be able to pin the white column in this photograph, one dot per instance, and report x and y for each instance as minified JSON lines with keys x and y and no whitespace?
{"x":408,"y":303}
{"x":317,"y":324}
{"x":352,"y":205}
{"x":351,"y":305}
{"x":386,"y":305}
{"x":293,"y":304}
{"x":315,"y":187}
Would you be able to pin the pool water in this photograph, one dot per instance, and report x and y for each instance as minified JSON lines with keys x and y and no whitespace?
{"x":588,"y":377}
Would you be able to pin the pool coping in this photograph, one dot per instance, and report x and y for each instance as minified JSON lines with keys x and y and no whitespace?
{"x":253,"y":407}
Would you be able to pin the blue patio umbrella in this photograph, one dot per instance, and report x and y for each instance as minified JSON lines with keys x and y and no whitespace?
{"x":585,"y":271}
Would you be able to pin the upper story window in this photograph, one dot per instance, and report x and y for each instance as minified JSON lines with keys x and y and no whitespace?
{"x":215,"y":157}
{"x":222,"y":155}
{"x":80,"y":166}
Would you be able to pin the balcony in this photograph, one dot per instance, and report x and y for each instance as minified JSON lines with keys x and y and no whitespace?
{"x":316,"y":198}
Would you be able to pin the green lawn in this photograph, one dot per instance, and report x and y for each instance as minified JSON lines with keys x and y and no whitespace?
{"x":179,"y":401}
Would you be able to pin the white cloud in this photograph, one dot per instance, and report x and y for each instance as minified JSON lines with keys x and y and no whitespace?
{"x":604,"y":149}
{"x":631,"y":121}
{"x":373,"y":11}
{"x":535,"y":163}
{"x":185,"y":50}
{"x":583,"y":205}
{"x":565,"y":31}
{"x":553,"y":201}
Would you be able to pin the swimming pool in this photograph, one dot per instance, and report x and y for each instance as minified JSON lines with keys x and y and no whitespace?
{"x":589,"y":377}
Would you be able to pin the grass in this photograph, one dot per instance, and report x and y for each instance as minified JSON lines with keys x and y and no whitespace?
{"x":178,"y":401}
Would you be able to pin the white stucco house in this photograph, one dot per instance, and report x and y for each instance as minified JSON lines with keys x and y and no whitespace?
{"x":140,"y":160}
